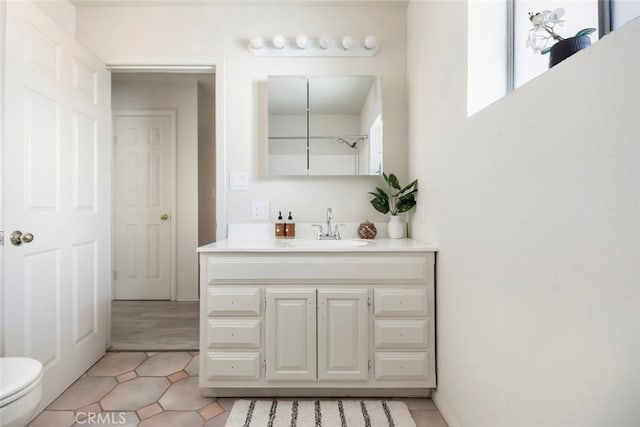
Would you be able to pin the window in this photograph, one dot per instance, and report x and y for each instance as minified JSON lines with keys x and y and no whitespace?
{"x":499,"y":60}
{"x":577,"y":15}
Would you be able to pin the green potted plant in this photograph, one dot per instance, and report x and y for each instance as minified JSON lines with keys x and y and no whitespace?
{"x":397,"y":199}
{"x":543,"y":32}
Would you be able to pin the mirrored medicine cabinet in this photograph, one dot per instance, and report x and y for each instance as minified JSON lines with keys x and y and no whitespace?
{"x":325,"y":125}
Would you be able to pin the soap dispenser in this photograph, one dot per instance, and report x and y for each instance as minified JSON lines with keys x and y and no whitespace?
{"x":290,"y":227}
{"x":280,"y":227}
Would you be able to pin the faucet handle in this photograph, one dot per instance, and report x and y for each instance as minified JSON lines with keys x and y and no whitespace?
{"x":336,"y":232}
{"x":319,"y":230}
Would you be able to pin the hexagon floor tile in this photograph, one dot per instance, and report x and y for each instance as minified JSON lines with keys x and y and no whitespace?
{"x":114,"y":364}
{"x":185,"y":395}
{"x":135,"y":394}
{"x":193,"y":368}
{"x":174,"y":419}
{"x":85,"y":391}
{"x":164,"y":364}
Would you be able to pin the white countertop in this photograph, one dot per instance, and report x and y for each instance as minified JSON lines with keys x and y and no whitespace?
{"x":307,"y":245}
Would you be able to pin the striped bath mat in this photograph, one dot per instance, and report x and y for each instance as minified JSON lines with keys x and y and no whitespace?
{"x":317,"y":413}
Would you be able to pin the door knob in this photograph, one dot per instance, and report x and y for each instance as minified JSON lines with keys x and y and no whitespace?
{"x":164,"y":217}
{"x":17,"y":238}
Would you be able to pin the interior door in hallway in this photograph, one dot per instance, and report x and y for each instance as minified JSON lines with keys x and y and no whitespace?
{"x":57,"y":205}
{"x":143,"y":193}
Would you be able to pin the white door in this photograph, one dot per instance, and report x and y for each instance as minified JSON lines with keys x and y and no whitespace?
{"x":291,"y":334}
{"x":57,"y":189}
{"x":343,"y":345}
{"x":143,"y":193}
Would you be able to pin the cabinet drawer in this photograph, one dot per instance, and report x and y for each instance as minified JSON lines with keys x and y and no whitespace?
{"x":401,"y":366}
{"x":233,"y":301}
{"x":294,"y":268}
{"x":222,"y":333}
{"x":233,"y":366}
{"x":400,"y":333}
{"x":400,"y":302}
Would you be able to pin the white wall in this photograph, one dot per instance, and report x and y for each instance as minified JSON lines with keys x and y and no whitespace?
{"x":117,"y":32}
{"x":132,"y":91}
{"x":61,"y":11}
{"x":535,"y":205}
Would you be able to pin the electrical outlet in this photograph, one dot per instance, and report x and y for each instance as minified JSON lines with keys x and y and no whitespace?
{"x":259,"y":210}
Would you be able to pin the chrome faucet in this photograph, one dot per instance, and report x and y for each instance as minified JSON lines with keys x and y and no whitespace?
{"x":331,"y":232}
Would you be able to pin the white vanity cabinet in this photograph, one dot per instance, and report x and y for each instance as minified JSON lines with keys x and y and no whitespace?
{"x":281,"y":320}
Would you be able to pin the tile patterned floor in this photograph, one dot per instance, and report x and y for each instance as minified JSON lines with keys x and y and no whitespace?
{"x":156,"y":389}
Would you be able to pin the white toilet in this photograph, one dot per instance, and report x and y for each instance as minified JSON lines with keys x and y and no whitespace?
{"x":20,"y":390}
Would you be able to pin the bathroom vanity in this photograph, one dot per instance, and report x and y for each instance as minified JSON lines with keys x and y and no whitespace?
{"x":309,"y":317}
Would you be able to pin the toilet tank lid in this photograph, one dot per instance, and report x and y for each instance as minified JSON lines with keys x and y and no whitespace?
{"x":17,"y":373}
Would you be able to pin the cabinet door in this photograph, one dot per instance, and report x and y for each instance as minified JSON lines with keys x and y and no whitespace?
{"x":291,"y":334}
{"x":343,"y":319}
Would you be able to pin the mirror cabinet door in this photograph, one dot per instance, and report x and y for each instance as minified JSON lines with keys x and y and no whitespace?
{"x":287,"y":121}
{"x":342,"y":112}
{"x":342,"y":125}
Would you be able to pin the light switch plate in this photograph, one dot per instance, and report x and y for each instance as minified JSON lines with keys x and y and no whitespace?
{"x":259,"y":210}
{"x":238,"y":181}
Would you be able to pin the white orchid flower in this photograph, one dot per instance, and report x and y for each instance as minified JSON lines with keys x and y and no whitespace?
{"x":555,"y":16}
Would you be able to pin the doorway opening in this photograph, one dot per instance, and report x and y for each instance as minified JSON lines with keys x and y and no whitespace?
{"x":164,"y":180}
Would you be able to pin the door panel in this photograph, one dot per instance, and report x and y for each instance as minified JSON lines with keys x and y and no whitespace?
{"x":144,"y":147}
{"x":57,"y":163}
{"x":343,"y":320}
{"x":291,"y":334}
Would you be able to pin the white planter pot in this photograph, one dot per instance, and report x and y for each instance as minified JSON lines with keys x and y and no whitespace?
{"x":396,"y":227}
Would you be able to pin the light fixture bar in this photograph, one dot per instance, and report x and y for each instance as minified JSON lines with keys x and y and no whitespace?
{"x":303,"y":46}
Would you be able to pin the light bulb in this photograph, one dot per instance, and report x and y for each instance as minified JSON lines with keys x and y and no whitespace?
{"x":256,"y":42}
{"x":302,"y":42}
{"x":278,"y":41}
{"x":370,"y":42}
{"x":347,"y":42}
{"x":324,"y":42}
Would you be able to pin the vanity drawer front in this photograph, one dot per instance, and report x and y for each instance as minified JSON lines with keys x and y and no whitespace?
{"x":293,"y":268}
{"x":233,"y":366}
{"x":401,"y":366}
{"x":400,"y":302}
{"x":233,"y":301}
{"x":223,"y":333}
{"x":400,"y":333}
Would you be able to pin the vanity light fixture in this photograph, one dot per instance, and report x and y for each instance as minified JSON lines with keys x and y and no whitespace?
{"x":370,"y":42}
{"x":323,"y":41}
{"x":304,"y":46}
{"x":278,"y":41}
{"x":256,"y":42}
{"x":347,"y":42}
{"x":302,"y":41}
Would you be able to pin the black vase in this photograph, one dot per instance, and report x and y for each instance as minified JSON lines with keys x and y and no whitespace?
{"x":567,"y":47}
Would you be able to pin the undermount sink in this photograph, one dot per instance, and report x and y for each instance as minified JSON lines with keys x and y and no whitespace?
{"x":310,"y":243}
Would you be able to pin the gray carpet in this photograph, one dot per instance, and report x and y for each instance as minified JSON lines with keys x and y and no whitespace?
{"x":154,"y":325}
